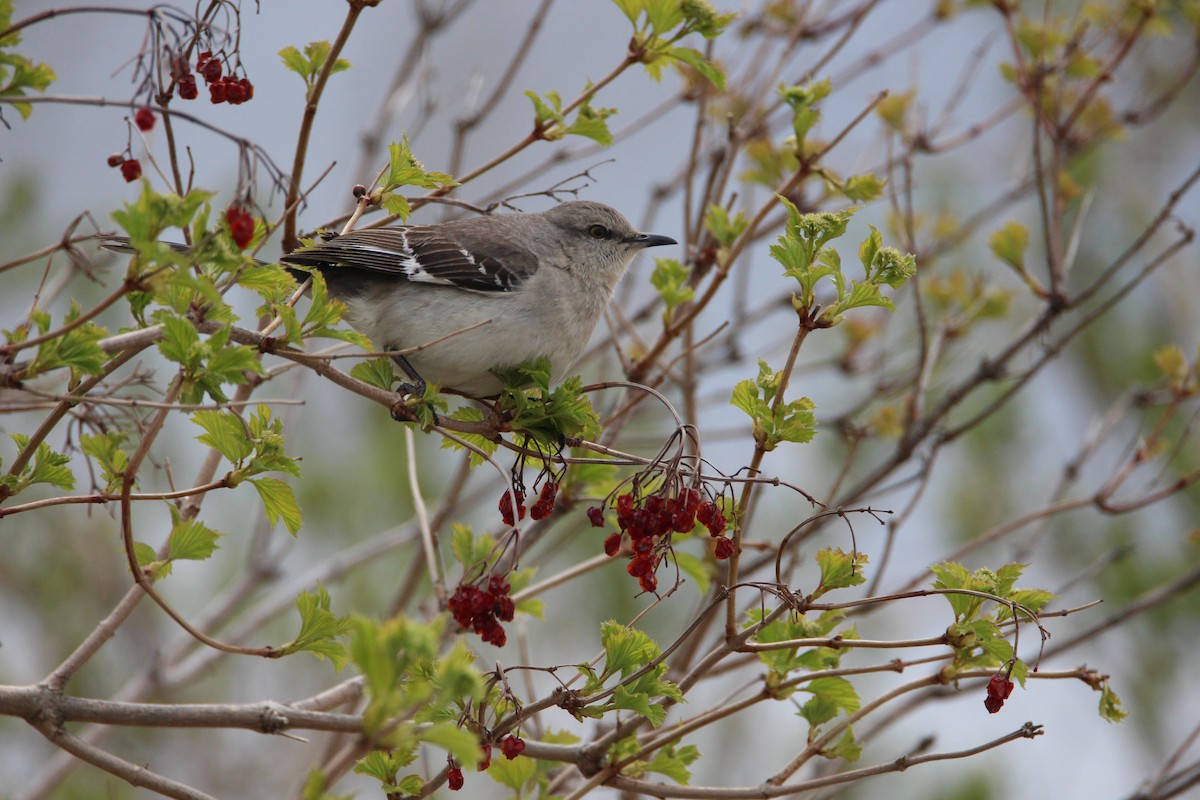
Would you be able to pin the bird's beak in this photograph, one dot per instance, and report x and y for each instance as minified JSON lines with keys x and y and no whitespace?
{"x":651,"y":240}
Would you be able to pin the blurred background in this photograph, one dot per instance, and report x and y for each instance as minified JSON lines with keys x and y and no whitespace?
{"x":63,"y":569}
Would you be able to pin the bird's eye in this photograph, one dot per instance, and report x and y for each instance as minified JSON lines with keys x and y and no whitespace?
{"x":598,"y":232}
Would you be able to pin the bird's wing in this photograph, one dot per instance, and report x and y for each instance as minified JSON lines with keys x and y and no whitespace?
{"x":425,"y":254}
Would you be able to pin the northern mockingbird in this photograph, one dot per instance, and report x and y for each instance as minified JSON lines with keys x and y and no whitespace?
{"x":539,"y":282}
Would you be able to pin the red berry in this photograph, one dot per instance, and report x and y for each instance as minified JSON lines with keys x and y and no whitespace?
{"x":216,"y":92}
{"x":723,"y":548}
{"x":506,"y":507}
{"x":463,"y":604}
{"x":625,"y":504}
{"x":486,"y":761}
{"x":480,"y":602}
{"x":998,"y":690}
{"x":612,"y":544}
{"x":648,"y":582}
{"x":544,"y":505}
{"x":690,"y":498}
{"x":595,"y":514}
{"x":641,"y":565}
{"x":497,"y":584}
{"x":116,"y":159}
{"x":504,"y":608}
{"x":241,"y":226}
{"x":247,"y":88}
{"x":454,"y":778}
{"x":234,"y":92}
{"x":494,"y":634}
{"x":682,"y":521}
{"x":187,"y":87}
{"x":512,"y":747}
{"x":643,"y":545}
{"x":144,"y":119}
{"x":131,"y":170}
{"x":210,"y":68}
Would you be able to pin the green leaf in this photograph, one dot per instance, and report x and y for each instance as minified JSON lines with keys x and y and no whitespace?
{"x":830,"y":696}
{"x":279,"y":502}
{"x":626,"y":650}
{"x":228,"y":363}
{"x":405,"y":170}
{"x":482,"y":443}
{"x":150,"y":215}
{"x":863,"y":188}
{"x":1009,"y":244}
{"x":144,"y":553}
{"x":725,"y":230}
{"x":550,"y":416}
{"x":378,"y":765}
{"x":533,"y":606}
{"x":631,"y":9}
{"x":592,"y":123}
{"x":460,"y":743}
{"x":696,"y":60}
{"x":514,"y":774}
{"x":663,"y":15}
{"x":673,"y":761}
{"x":319,"y":629}
{"x":17,"y":73}
{"x":639,"y":703}
{"x":745,"y":397}
{"x":870,"y":246}
{"x":180,"y":341}
{"x":803,"y":101}
{"x":224,"y":432}
{"x":106,"y":449}
{"x":376,"y":371}
{"x":294,"y":61}
{"x":847,"y":748}
{"x":77,"y":349}
{"x":695,"y":569}
{"x":839,"y":570}
{"x":793,"y":421}
{"x":1110,"y":705}
{"x":670,"y":279}
{"x":192,"y":540}
{"x":310,"y":64}
{"x":469,"y":550}
{"x":409,"y":786}
{"x":859,"y":296}
{"x":47,"y":467}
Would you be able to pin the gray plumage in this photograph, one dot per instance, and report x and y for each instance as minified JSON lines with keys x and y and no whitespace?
{"x":540,"y":281}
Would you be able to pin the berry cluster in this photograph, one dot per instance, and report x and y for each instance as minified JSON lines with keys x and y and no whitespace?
{"x":540,"y":508}
{"x":649,"y":523}
{"x":131,"y":168}
{"x":483,"y":610}
{"x":221,"y":88}
{"x":998,"y":690}
{"x":241,"y":226}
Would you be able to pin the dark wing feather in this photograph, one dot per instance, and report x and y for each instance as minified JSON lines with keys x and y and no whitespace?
{"x":425,"y":254}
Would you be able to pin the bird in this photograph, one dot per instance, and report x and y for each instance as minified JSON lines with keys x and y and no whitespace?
{"x":483,"y":292}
